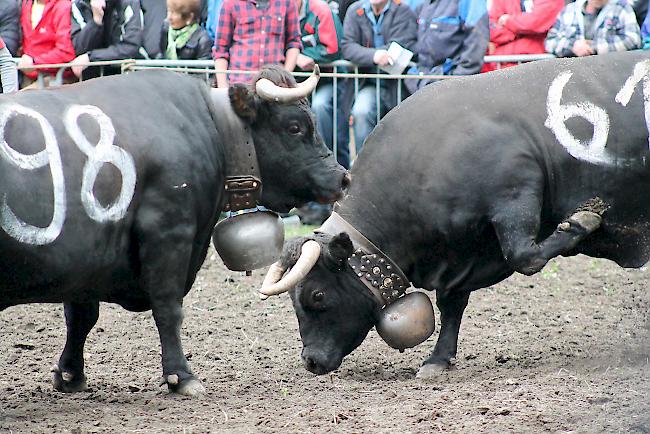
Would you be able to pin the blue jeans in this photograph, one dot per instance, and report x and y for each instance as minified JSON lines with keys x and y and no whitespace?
{"x":364,"y":112}
{"x":322,"y":104}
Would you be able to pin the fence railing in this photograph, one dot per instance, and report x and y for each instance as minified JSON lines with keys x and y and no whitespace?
{"x":337,"y":71}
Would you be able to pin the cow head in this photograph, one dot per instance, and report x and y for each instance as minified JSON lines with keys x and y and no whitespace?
{"x":295,"y":165}
{"x":335,"y":310}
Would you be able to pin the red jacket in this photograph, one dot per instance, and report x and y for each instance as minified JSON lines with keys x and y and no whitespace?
{"x":50,"y":41}
{"x":524,"y":33}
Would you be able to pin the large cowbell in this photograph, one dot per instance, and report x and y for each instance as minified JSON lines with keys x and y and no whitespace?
{"x":249,"y":239}
{"x":407,"y":322}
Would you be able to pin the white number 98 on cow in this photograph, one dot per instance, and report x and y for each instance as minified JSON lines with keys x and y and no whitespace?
{"x":97,"y":155}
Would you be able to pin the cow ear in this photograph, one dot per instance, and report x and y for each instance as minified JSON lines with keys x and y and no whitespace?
{"x":243,"y":101}
{"x":340,"y":247}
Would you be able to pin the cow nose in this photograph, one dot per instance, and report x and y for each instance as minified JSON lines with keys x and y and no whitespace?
{"x":346,"y":181}
{"x":312,"y":365}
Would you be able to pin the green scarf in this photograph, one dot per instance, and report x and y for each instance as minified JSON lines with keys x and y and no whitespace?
{"x":177,"y":39}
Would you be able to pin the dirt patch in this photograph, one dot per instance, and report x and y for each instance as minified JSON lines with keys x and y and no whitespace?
{"x":565,"y":350}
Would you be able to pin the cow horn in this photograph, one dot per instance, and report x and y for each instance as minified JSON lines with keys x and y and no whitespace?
{"x":275,"y":284}
{"x":270,"y":91}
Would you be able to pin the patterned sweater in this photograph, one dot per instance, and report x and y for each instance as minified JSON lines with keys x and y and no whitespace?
{"x":615,"y":29}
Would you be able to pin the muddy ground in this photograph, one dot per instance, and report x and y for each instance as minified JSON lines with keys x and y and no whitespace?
{"x":566,"y":350}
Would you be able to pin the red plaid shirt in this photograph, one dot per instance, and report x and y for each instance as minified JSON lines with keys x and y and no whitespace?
{"x":249,"y":37}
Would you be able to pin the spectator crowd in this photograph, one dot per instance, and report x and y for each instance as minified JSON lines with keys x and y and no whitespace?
{"x":446,"y":37}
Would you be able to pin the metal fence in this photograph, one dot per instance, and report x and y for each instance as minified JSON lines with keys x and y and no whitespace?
{"x":340,"y":70}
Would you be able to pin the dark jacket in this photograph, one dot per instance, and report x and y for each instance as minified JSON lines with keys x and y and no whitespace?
{"x":198,"y":47}
{"x":10,"y":25}
{"x":155,"y":12}
{"x":399,"y":25}
{"x":119,"y":37}
{"x":453,"y":36}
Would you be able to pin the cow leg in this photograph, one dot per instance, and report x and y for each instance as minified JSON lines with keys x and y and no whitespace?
{"x":80,"y":318}
{"x":168,"y":315}
{"x":517,"y":232}
{"x":452,"y":304}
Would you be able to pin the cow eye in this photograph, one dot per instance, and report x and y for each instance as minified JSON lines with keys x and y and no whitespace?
{"x":294,"y":129}
{"x":317,"y":296}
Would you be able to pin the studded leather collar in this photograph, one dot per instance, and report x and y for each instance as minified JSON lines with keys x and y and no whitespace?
{"x":374,"y":268}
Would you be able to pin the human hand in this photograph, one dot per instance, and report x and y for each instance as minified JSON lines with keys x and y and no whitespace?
{"x":503,"y":19}
{"x":79,"y":64}
{"x":382,"y":58}
{"x":25,"y":62}
{"x":98,"y":7}
{"x":582,"y":47}
{"x":305,"y":63}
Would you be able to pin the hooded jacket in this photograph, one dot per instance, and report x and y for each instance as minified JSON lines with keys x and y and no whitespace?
{"x":49,"y":42}
{"x":524,"y":32}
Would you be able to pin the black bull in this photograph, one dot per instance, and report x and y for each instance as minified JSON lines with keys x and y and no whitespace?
{"x":110,"y":190}
{"x":472,"y":179}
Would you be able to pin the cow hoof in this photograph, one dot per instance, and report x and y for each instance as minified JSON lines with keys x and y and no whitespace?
{"x":587,"y":220}
{"x":66,"y":382}
{"x":431,"y":371}
{"x":189,"y":387}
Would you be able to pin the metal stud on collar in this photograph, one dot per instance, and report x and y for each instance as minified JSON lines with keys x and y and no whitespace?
{"x":376,"y":271}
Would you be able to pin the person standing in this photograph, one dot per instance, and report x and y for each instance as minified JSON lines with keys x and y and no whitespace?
{"x":104,"y":30}
{"x":212,"y":12}
{"x":321,"y":31}
{"x":520,"y":27}
{"x":10,"y":25}
{"x":589,"y":27}
{"x":253,"y":33}
{"x":8,"y":71}
{"x":453,"y":36}
{"x":154,"y":13}
{"x":182,"y":37}
{"x":645,"y":32}
{"x":370,"y":26}
{"x":45,"y":26}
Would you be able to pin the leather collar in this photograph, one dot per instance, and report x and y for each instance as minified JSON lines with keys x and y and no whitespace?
{"x":385,"y":280}
{"x":243,"y":181}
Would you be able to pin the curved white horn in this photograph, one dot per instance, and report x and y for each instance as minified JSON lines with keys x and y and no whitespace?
{"x":268,"y":90}
{"x":273,"y":276}
{"x":309,"y":254}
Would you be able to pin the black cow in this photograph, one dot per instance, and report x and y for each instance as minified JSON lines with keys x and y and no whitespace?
{"x":110,"y":189}
{"x":472,"y":179}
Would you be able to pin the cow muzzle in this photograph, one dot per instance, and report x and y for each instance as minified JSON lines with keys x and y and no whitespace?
{"x":318,"y":363}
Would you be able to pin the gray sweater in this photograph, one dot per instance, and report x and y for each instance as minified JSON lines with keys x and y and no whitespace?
{"x":8,"y":72}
